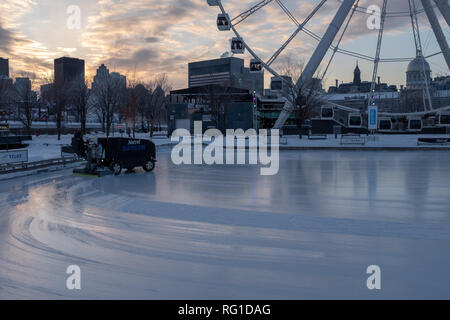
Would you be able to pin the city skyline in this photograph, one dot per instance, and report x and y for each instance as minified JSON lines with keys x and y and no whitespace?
{"x":143,"y":39}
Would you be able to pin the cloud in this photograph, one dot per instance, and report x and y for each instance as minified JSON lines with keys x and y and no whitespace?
{"x":142,"y":36}
{"x":6,"y":39}
{"x":150,"y":37}
{"x":26,"y":55}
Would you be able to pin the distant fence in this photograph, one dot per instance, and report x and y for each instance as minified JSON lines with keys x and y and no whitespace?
{"x":67,"y":128}
{"x":50,"y":128}
{"x":23,"y":166}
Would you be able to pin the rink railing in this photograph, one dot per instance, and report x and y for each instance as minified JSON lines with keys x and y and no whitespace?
{"x":33,"y":165}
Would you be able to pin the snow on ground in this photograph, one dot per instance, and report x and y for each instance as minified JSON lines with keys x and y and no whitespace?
{"x":225,"y":232}
{"x":45,"y":147}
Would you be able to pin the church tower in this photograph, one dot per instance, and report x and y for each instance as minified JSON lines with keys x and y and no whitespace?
{"x":357,"y":75}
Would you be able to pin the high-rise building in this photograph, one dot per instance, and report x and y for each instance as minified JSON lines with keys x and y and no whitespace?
{"x":23,"y":91}
{"x":68,"y":70}
{"x":121,"y":80}
{"x":103,"y":76}
{"x":47,"y":92}
{"x":6,"y":92}
{"x":6,"y":84}
{"x":4,"y":67}
{"x":23,"y":86}
{"x":229,"y":71}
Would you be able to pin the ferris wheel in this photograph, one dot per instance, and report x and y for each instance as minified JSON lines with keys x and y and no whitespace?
{"x":331,"y":41}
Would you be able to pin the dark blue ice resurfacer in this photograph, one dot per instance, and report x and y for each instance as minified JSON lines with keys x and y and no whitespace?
{"x":111,"y":155}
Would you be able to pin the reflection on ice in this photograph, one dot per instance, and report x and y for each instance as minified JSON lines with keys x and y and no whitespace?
{"x":227,"y":232}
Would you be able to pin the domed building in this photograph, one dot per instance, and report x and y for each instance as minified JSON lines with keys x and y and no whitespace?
{"x":415,"y":74}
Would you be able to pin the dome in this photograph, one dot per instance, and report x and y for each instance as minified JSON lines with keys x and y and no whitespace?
{"x":416,"y":65}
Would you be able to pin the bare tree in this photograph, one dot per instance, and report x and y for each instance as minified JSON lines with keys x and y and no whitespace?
{"x":61,"y":100}
{"x":218,"y":99}
{"x":164,"y":83}
{"x":307,"y":100}
{"x":58,"y":98}
{"x":129,"y":110}
{"x":158,"y":100}
{"x":142,"y":103}
{"x":25,"y":100}
{"x":109,"y":95}
{"x":46,"y":98}
{"x":292,"y":68}
{"x":306,"y":97}
{"x":80,"y":98}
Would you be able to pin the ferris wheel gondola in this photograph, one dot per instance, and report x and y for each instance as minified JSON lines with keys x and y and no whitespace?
{"x":385,"y":124}
{"x":444,"y":118}
{"x":327,"y":113}
{"x":255,"y":66}
{"x":415,"y":124}
{"x":237,"y":46}
{"x":223,"y":22}
{"x":355,"y":120}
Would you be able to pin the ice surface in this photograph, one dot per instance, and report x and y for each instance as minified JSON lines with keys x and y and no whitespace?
{"x":205,"y":232}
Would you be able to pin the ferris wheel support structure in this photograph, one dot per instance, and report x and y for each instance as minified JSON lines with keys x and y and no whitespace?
{"x":377,"y":55}
{"x":317,"y":57}
{"x":437,"y":30}
{"x":444,"y":8}
{"x":419,"y":53}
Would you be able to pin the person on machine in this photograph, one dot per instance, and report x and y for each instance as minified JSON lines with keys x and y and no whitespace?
{"x":79,"y":145}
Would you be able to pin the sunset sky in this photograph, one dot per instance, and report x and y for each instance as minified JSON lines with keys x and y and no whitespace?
{"x":143,"y":38}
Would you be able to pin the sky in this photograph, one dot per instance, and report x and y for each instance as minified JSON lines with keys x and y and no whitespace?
{"x":146,"y":38}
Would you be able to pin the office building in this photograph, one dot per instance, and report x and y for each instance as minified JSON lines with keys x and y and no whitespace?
{"x":103,"y":76}
{"x":68,"y":70}
{"x":4,"y":67}
{"x":23,"y":86}
{"x":227,"y":72}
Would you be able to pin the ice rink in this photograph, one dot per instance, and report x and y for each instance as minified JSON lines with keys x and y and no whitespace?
{"x":225,"y":232}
